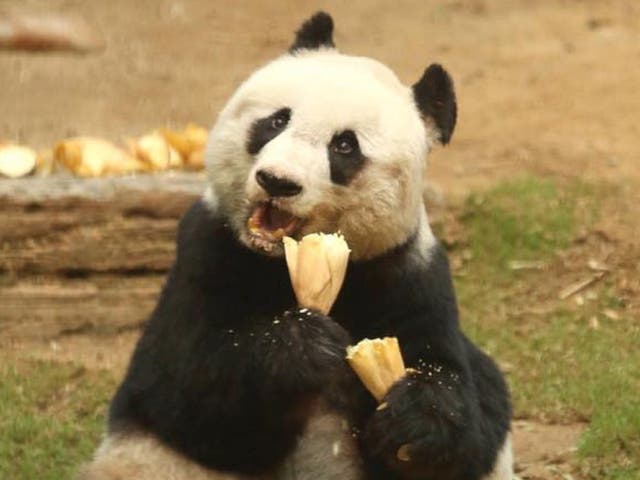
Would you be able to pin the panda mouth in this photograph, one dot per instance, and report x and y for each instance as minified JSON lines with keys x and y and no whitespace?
{"x":268,"y":224}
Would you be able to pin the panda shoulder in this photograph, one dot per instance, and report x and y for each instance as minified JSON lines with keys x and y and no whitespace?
{"x":196,"y":223}
{"x":202,"y":235}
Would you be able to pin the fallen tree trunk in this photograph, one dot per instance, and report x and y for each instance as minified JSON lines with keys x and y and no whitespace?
{"x":48,"y":308}
{"x":86,"y":255}
{"x":75,"y":226}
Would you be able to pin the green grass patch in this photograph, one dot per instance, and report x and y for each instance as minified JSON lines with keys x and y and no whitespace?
{"x":51,"y":417}
{"x":526,"y":219}
{"x":560,"y":368}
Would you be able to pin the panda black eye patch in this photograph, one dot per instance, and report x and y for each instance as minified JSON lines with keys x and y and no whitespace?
{"x":266,"y":129}
{"x":345,"y":157}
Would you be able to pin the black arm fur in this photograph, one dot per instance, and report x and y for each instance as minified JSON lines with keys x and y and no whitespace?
{"x":455,"y":413}
{"x":221,"y":373}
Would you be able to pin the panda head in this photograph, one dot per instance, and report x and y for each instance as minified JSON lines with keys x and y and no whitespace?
{"x":319,"y":141}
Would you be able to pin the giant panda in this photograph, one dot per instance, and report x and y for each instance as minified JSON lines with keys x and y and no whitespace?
{"x":230,"y":380}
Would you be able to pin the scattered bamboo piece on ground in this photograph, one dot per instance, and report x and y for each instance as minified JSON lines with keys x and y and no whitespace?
{"x":526,"y":265}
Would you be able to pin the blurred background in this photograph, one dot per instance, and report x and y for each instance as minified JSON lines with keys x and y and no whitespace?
{"x":537,"y":199}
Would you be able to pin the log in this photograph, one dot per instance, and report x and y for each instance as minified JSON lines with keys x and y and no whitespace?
{"x":48,"y":308}
{"x":86,"y":255}
{"x":67,"y":186}
{"x":76,"y":226}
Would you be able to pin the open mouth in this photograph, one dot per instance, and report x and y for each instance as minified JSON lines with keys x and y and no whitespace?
{"x":268,"y":224}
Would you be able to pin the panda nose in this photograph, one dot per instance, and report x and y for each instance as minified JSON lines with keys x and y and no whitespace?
{"x":277,"y":186}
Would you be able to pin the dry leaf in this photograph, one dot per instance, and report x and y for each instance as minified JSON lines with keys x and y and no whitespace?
{"x":597,"y":266}
{"x":579,"y":286}
{"x":611,"y":314}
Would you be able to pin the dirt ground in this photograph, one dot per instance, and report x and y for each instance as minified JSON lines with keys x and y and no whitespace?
{"x":549,"y":87}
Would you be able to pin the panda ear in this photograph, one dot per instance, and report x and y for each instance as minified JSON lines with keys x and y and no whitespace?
{"x":316,"y":32}
{"x":436,"y":99}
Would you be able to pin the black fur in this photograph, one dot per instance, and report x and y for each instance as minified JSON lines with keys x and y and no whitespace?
{"x":344,"y":165}
{"x":454,"y":427}
{"x":224,"y":372}
{"x":315,"y":33}
{"x":223,"y":375}
{"x":435,"y":98}
{"x":266,"y":129}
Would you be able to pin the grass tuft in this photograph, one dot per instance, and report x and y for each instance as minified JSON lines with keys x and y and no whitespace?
{"x":51,"y":417}
{"x":525,"y":219}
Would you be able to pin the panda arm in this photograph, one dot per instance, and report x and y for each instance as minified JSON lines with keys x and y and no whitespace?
{"x":222,"y":373}
{"x":434,"y":415}
{"x":232,"y":401}
{"x":430,"y":414}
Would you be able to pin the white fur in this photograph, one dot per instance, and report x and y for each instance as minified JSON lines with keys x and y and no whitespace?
{"x":425,"y":241}
{"x":210,"y":199}
{"x":327,"y":92}
{"x":326,"y":451}
{"x":141,"y":456}
{"x":503,"y":468}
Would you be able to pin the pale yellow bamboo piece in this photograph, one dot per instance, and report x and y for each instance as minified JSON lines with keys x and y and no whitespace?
{"x":94,"y":157}
{"x":378,"y":363}
{"x":317,"y":266}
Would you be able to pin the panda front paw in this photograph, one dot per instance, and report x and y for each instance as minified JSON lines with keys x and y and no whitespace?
{"x":419,"y":428}
{"x":310,"y":347}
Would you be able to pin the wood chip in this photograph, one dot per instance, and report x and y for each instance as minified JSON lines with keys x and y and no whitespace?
{"x":48,"y":31}
{"x":526,"y":265}
{"x":611,"y":314}
{"x":597,"y":266}
{"x":579,"y":286}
